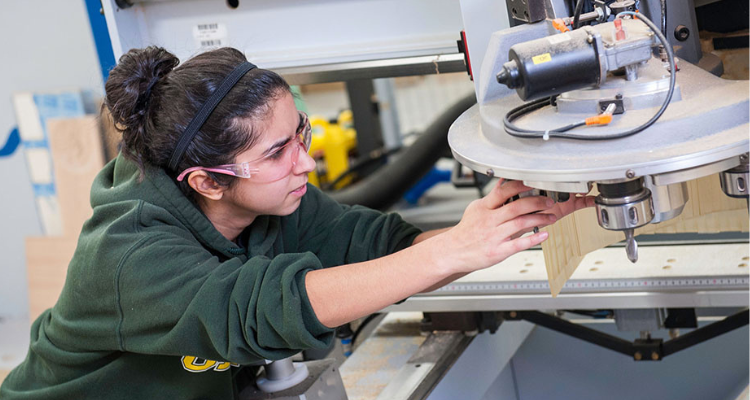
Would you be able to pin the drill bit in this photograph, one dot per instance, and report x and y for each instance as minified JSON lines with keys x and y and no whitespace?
{"x":631,"y":246}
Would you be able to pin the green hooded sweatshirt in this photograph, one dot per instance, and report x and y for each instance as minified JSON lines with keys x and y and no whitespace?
{"x":157,"y":304}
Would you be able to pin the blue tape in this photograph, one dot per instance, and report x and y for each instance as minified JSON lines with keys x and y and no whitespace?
{"x":44,"y":189}
{"x":14,"y":139}
{"x":52,"y":105}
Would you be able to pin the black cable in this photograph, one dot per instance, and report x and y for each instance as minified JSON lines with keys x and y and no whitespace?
{"x":596,"y":314}
{"x":664,"y":17}
{"x":386,"y":186}
{"x":363,"y":325}
{"x":560,"y":132}
{"x":577,"y":14}
{"x":530,"y":107}
{"x":359,"y":165}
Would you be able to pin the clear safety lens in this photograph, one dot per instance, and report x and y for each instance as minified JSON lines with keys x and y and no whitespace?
{"x":270,"y":167}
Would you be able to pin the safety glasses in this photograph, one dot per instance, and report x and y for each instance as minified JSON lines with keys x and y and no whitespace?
{"x":270,"y":167}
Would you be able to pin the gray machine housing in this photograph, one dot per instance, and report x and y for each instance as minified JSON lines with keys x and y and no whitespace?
{"x":704,"y":130}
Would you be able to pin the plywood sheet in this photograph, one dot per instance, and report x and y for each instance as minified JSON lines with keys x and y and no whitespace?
{"x":112,"y":137}
{"x":709,"y":210}
{"x":78,"y":156}
{"x":47,"y":260}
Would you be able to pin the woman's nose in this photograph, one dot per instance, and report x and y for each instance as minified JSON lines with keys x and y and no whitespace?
{"x":304,"y":164}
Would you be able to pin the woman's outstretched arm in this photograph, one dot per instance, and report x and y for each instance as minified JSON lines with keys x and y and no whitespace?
{"x":488,"y":233}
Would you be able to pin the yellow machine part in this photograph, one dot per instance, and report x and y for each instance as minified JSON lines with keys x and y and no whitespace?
{"x":330,"y":146}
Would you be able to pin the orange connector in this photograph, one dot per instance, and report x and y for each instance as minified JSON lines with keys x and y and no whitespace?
{"x":559,"y":24}
{"x":601,"y":119}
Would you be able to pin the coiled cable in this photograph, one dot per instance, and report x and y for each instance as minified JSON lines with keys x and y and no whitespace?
{"x":562,"y":132}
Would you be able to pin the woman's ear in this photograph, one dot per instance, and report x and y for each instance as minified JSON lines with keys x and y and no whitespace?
{"x":204,"y":185}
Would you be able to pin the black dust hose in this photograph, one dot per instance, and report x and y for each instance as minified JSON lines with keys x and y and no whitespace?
{"x":387,"y":185}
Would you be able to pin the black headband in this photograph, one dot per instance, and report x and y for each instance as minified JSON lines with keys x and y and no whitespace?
{"x":205,"y":111}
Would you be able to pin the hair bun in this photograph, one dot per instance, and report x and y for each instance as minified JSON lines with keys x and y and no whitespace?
{"x":132,"y":86}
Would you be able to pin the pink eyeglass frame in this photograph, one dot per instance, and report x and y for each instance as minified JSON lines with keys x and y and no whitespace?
{"x":243,"y":170}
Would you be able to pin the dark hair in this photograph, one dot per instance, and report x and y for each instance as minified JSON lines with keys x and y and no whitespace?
{"x":152,"y":101}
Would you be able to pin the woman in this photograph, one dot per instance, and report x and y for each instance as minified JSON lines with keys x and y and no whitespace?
{"x":207,"y":250}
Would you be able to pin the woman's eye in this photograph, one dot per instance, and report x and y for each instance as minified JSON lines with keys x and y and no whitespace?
{"x":277,"y":154}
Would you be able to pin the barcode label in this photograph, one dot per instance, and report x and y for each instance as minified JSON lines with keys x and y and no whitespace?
{"x":205,"y":27}
{"x":210,"y":43}
{"x":210,"y":35}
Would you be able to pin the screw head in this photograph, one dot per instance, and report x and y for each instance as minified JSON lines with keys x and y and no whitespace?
{"x":590,"y":39}
{"x":490,"y":172}
{"x":654,"y":355}
{"x":513,"y":314}
{"x":638,"y":355}
{"x":630,"y":174}
{"x":681,"y":33}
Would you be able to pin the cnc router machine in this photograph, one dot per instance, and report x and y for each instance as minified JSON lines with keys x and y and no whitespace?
{"x":618,"y":99}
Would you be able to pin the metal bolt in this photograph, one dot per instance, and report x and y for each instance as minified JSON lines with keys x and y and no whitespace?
{"x":654,"y":355}
{"x":630,"y":174}
{"x":618,"y":96}
{"x":638,"y":356}
{"x":513,"y":314}
{"x":590,"y":39}
{"x":743,"y":157}
{"x":490,"y":172}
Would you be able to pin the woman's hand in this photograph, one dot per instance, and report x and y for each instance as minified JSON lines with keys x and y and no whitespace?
{"x":489,"y":230}
{"x":575,"y":203}
{"x":487,"y":234}
{"x":560,"y":210}
{"x":499,"y":247}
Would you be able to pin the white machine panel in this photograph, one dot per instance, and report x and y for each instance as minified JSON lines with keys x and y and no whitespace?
{"x":290,"y":33}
